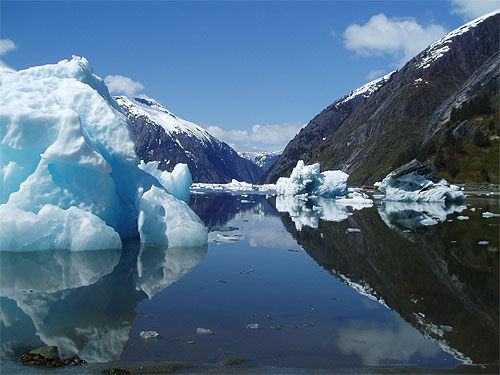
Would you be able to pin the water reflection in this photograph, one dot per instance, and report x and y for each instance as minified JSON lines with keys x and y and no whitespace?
{"x":306,"y":212}
{"x":159,"y":266}
{"x":411,"y":216}
{"x":441,"y":281}
{"x":83,"y":302}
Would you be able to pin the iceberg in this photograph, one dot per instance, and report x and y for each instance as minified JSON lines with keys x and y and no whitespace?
{"x":69,"y":172}
{"x":413,"y":182}
{"x":308,"y":180}
{"x":176,"y":182}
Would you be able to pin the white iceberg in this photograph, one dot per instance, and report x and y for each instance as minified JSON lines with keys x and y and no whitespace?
{"x":413,"y":182}
{"x":67,"y":153}
{"x":308,"y":180}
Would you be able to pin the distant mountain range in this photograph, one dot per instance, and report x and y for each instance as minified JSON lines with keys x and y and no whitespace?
{"x":407,"y":112}
{"x":163,"y":137}
{"x":264,"y":159}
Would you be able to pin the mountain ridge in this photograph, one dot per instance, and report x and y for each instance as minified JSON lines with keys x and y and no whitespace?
{"x":365,"y":136}
{"x":168,"y":139}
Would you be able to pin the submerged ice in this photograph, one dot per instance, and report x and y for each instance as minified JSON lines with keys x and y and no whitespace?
{"x":69,"y":172}
{"x":308,"y":180}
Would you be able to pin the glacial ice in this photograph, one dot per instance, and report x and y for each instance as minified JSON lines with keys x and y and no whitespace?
{"x":413,"y":182}
{"x":308,"y":180}
{"x":68,"y":162}
{"x":176,"y":182}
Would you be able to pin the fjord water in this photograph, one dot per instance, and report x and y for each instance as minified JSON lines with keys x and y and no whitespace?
{"x":370,"y":287}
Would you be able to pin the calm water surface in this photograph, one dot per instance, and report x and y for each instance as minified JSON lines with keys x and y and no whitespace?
{"x":329,"y":286}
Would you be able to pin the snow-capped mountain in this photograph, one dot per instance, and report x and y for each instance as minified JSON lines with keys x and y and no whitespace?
{"x":264,"y":159}
{"x":168,"y":139}
{"x":365,"y":132}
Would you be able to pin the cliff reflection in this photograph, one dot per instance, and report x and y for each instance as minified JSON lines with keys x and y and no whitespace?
{"x":439,"y":280}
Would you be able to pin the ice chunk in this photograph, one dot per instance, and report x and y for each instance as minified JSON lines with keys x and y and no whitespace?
{"x":307,"y":180}
{"x":462,"y":217}
{"x":67,"y":154}
{"x":413,"y":182}
{"x":54,"y":228}
{"x":165,"y":219}
{"x":176,"y":182}
{"x":148,"y":335}
{"x":488,"y":214}
{"x":483,"y":242}
{"x":204,"y":331}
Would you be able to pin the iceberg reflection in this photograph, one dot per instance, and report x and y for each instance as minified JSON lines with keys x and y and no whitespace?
{"x":306,"y":212}
{"x":414,"y":215}
{"x":83,"y":302}
{"x":159,"y":266}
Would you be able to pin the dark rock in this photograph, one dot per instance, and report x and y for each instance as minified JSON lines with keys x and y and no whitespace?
{"x":116,"y":371}
{"x":44,"y":356}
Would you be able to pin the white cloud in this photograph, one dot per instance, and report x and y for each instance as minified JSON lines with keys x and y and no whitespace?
{"x":474,"y":8}
{"x":377,"y":73}
{"x":120,"y":84}
{"x":260,"y":137}
{"x":400,"y":38}
{"x":6,"y":45}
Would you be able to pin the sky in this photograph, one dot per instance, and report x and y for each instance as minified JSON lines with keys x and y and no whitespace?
{"x":252,"y":73}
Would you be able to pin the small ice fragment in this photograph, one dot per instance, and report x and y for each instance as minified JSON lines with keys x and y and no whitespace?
{"x":148,"y":335}
{"x":488,"y":214}
{"x":483,"y":242}
{"x":353,"y":230}
{"x":449,"y":221}
{"x":253,"y":326}
{"x":473,"y":209}
{"x":407,"y":231}
{"x":462,"y":217}
{"x":310,"y":310}
{"x":249,"y":271}
{"x":453,"y":241}
{"x":204,"y":331}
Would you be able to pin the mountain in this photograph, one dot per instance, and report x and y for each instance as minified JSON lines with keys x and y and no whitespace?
{"x":163,"y":137}
{"x":366,"y":132}
{"x":264,"y":159}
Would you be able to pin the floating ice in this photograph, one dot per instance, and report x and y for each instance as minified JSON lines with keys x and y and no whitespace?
{"x":483,"y":242}
{"x":176,"y":182}
{"x":413,"y":182}
{"x":308,"y":180}
{"x":68,"y":166}
{"x":462,"y":217}
{"x":148,"y":335}
{"x":204,"y":331}
{"x":488,"y":214}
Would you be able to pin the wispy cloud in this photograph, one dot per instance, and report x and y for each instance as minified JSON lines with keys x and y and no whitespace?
{"x":123,"y":85}
{"x":472,"y":9}
{"x":6,"y":45}
{"x":375,"y":74}
{"x":399,"y":38}
{"x":260,"y":137}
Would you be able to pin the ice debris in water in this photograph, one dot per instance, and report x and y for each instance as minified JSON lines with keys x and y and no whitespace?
{"x":69,"y":170}
{"x":461,"y":217}
{"x":204,"y":331}
{"x":353,"y":230}
{"x":253,"y":326}
{"x":413,"y":182}
{"x":483,"y":242}
{"x":148,"y":335}
{"x":308,"y":180}
{"x":488,"y":214}
{"x":176,"y":182}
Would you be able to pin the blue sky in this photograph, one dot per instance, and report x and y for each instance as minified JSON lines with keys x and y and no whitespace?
{"x":251,"y":72}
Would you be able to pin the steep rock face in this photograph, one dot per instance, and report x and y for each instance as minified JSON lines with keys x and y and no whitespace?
{"x":365,"y":137}
{"x":163,"y":137}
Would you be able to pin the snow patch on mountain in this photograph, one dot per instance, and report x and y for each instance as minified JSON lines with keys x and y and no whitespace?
{"x":366,"y":90}
{"x":440,"y":47}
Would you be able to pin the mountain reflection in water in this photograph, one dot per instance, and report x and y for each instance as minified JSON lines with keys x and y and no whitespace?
{"x":440,"y":280}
